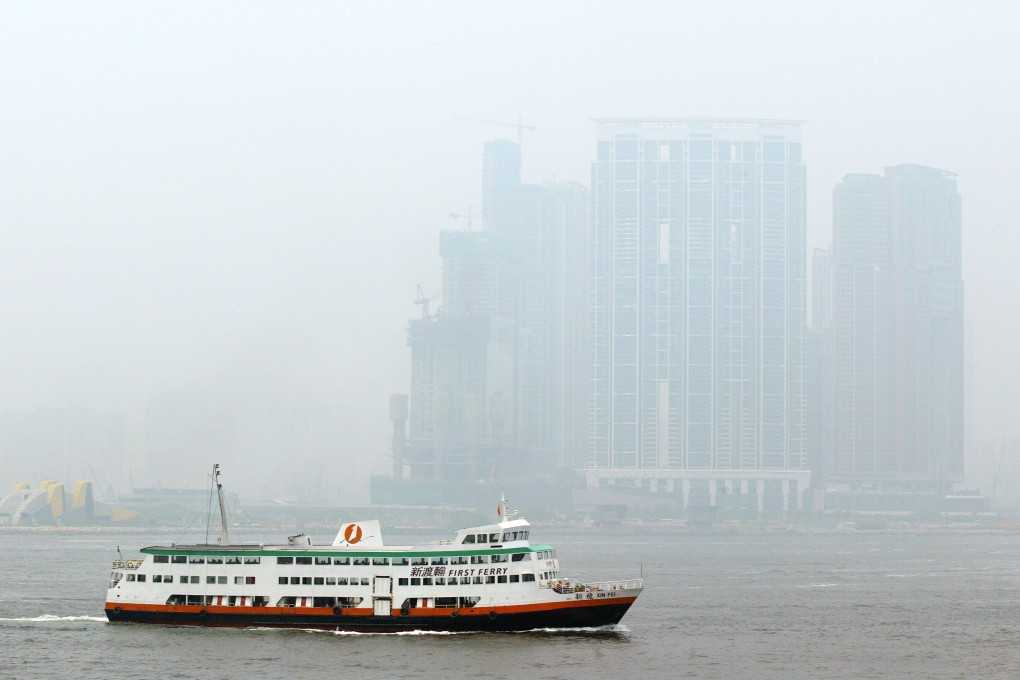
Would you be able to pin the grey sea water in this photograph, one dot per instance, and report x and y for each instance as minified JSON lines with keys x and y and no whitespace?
{"x":767,"y":605}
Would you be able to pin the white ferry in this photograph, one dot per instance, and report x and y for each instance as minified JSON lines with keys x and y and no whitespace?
{"x":488,"y":578}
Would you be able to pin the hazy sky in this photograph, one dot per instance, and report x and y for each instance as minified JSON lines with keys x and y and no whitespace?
{"x":239,"y":198}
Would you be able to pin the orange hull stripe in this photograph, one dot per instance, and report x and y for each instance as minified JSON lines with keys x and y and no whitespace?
{"x":364,"y":611}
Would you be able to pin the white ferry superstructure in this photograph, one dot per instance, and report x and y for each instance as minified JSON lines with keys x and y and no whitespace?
{"x":487,"y":578}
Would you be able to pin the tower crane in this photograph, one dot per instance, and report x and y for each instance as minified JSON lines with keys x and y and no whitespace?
{"x":424,"y":301}
{"x":519,"y":125}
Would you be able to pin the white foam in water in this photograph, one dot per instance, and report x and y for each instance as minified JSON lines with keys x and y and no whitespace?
{"x":47,"y":618}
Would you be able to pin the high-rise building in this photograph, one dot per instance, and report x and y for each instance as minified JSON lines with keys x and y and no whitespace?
{"x":498,"y":371}
{"x":898,"y":328}
{"x":699,"y":303}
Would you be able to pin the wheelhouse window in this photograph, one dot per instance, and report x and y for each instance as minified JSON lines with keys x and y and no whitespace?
{"x":160,"y":559}
{"x":493,"y":538}
{"x":470,"y":538}
{"x":480,"y":538}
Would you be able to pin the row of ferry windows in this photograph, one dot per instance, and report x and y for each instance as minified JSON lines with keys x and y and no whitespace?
{"x":494,"y":538}
{"x":356,"y":561}
{"x":201,"y":559}
{"x":168,"y":578}
{"x":465,"y":580}
{"x":403,"y":561}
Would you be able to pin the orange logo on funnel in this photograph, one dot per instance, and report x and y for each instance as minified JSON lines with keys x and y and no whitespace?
{"x":353,"y":534}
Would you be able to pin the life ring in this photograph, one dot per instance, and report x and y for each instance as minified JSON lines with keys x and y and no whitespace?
{"x":116,"y":610}
{"x":493,"y":615}
{"x":203,"y":613}
{"x":338,"y":610}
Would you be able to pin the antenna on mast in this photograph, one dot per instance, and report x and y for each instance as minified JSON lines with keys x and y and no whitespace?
{"x":224,"y":538}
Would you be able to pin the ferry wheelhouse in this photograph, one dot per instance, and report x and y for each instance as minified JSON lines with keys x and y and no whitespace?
{"x":488,"y":577}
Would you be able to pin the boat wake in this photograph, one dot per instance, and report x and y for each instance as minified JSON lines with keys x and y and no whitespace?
{"x":613,"y":628}
{"x":49,"y":618}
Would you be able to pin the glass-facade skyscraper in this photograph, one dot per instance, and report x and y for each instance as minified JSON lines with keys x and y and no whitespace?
{"x":699,"y":296}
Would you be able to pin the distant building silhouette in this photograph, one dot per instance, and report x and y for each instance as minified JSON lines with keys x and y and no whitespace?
{"x":498,"y":371}
{"x":897,"y":330}
{"x":699,"y":308}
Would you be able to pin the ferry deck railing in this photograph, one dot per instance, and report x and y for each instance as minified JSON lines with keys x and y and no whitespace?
{"x":570,"y":585}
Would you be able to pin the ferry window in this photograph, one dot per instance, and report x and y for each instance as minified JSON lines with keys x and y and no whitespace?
{"x":295,"y":581}
{"x":480,"y":538}
{"x":197,"y":560}
{"x":493,"y":538}
{"x":440,"y":580}
{"x":141,"y":578}
{"x":283,"y":580}
{"x":401,"y":581}
{"x":465,"y":580}
{"x":517,"y":557}
{"x":323,"y":560}
{"x":168,"y":578}
{"x":438,"y":560}
{"x":306,"y":580}
{"x":161,"y":559}
{"x":514,"y":578}
{"x":524,"y":535}
{"x":194,"y":579}
{"x":426,"y":581}
{"x":318,"y":581}
{"x":501,"y":579}
{"x":419,"y":561}
{"x":401,"y":561}
{"x":233,"y":560}
{"x":341,"y":560}
{"x":215,"y":560}
{"x":416,"y":582}
{"x":210,"y":579}
{"x":157,"y":578}
{"x":238,"y":580}
{"x":500,"y":558}
{"x":252,"y":560}
{"x":285,"y":560}
{"x":380,"y":561}
{"x":303,"y":560}
{"x":222,"y":580}
{"x":470,"y":538}
{"x":506,"y":536}
{"x":490,"y":579}
{"x":527,"y":577}
{"x":364,"y":581}
{"x":452,"y":581}
{"x":476,"y":580}
{"x":331,"y":580}
{"x":341,"y":580}
{"x":479,"y":559}
{"x":179,"y":559}
{"x":461,"y":560}
{"x":360,"y":561}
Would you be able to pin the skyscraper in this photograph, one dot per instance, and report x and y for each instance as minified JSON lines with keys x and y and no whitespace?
{"x":699,"y":299}
{"x":898,"y":328}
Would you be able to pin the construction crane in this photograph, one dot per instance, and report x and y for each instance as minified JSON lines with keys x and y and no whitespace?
{"x":460,"y":216}
{"x":519,"y":125}
{"x":424,"y":301}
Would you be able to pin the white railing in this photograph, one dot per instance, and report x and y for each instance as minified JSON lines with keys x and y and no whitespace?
{"x":569,"y":585}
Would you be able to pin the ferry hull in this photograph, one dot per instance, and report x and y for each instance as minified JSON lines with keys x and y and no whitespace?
{"x":581,"y":615}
